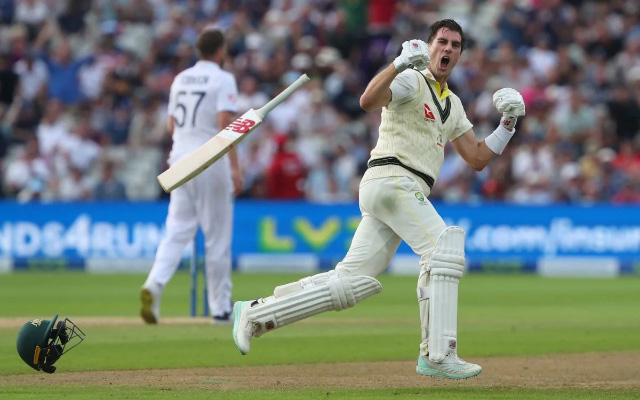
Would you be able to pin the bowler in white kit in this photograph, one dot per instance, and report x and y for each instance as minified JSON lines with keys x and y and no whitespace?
{"x":202,"y":102}
{"x":419,"y":114}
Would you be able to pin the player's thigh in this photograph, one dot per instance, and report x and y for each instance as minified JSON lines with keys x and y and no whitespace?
{"x":372,"y":247}
{"x":181,"y":217}
{"x":400,"y":203}
{"x":214,"y":207}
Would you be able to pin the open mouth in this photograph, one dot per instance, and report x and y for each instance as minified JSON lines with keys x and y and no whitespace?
{"x":444,"y":62}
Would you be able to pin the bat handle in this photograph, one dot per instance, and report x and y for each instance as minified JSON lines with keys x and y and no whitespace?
{"x":266,"y":109}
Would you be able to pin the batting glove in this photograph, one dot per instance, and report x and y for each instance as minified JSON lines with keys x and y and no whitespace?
{"x":510,"y":104}
{"x":415,"y":53}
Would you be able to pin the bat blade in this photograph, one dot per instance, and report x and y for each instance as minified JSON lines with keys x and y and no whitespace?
{"x":200,"y":159}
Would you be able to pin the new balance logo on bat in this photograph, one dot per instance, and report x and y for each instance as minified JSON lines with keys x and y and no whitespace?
{"x":240,"y":125}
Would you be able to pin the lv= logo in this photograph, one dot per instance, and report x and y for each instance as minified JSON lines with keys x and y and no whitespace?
{"x":428,"y":114}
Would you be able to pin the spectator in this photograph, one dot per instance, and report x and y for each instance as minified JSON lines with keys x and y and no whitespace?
{"x":27,"y":177}
{"x":8,"y":80}
{"x":74,"y":186}
{"x":63,"y":68}
{"x":285,"y":175}
{"x":109,"y":187}
{"x":52,"y":131}
{"x":34,"y":77}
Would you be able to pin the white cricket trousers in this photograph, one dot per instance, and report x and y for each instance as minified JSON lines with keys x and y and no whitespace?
{"x":393,"y":209}
{"x":205,"y":201}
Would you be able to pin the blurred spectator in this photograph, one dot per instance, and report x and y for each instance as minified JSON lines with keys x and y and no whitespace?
{"x":117,"y":128}
{"x":109,"y":187}
{"x":52,"y":131}
{"x":32,"y":13}
{"x":27,"y":176}
{"x":8,"y":80}
{"x":63,"y":67}
{"x":74,"y":186}
{"x":79,"y":151}
{"x":285,"y":175}
{"x":34,"y":77}
{"x":148,"y":126}
{"x":625,"y":111}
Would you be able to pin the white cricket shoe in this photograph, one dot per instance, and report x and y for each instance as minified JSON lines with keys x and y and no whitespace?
{"x":243,"y":329}
{"x":451,"y":367}
{"x":150,"y":300}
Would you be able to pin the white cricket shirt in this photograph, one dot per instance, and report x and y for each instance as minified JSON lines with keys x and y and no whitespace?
{"x":415,"y":126}
{"x":197,"y":95}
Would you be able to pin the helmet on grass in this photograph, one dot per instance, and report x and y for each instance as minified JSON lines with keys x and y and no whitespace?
{"x":41,"y":343}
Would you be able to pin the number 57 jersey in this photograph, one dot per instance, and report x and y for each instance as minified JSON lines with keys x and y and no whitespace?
{"x":197,"y":95}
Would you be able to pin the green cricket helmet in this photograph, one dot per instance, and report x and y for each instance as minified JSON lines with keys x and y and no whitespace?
{"x":41,"y":343}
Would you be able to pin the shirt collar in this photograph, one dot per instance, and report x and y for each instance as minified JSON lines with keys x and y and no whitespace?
{"x":207,"y":64}
{"x":443,"y":93}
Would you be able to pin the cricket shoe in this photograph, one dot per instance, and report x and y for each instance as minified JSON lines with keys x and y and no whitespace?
{"x":150,"y":300}
{"x":223,"y":319}
{"x":451,"y":367}
{"x":243,"y":328}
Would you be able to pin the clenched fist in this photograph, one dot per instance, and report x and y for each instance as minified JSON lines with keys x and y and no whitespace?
{"x":414,"y":53}
{"x":510,"y":104}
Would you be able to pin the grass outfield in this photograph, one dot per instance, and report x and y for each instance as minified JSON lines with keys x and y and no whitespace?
{"x":500,"y":316}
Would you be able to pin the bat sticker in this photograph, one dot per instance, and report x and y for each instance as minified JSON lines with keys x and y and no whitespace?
{"x":241,"y":125}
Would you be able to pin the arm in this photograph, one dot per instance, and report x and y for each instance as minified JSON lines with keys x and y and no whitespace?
{"x":224,"y":119}
{"x":170,"y":125}
{"x":478,"y":154}
{"x":378,"y":93}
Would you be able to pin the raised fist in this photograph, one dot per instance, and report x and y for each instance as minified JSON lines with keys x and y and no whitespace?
{"x":414,"y":53}
{"x":509,"y":101}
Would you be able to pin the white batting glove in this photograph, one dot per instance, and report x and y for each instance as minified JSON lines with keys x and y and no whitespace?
{"x":510,"y":104}
{"x":414,"y":53}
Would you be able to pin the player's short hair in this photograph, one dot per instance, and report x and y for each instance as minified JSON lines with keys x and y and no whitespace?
{"x":209,"y":41}
{"x":449,"y":24}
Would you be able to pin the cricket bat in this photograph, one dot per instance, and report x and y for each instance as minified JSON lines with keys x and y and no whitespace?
{"x":202,"y":157}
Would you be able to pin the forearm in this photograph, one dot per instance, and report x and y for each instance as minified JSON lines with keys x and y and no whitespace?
{"x":233,"y":159}
{"x":482,"y":156}
{"x":378,"y":92}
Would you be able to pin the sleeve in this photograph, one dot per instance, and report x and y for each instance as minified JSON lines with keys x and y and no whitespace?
{"x":463,"y":124}
{"x":228,"y":95}
{"x":171,"y":106}
{"x":404,"y":88}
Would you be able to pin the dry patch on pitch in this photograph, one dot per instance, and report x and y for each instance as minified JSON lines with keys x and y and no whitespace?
{"x":598,"y":370}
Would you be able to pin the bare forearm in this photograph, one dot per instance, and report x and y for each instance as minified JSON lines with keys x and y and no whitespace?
{"x":482,"y":156}
{"x":378,"y":92}
{"x":233,"y":159}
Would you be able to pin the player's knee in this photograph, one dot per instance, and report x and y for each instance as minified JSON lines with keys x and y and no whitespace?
{"x":344,"y":291}
{"x":448,"y":256}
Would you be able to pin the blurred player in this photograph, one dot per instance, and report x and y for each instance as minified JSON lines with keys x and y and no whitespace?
{"x":419,"y":114}
{"x":202,"y":102}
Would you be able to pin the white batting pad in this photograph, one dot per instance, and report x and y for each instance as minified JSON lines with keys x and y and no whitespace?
{"x":310,"y":296}
{"x":446,"y":269}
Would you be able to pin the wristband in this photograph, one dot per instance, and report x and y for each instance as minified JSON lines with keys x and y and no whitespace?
{"x":498,"y":140}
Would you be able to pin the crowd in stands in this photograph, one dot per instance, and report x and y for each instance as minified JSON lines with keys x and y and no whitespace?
{"x":84,"y":87}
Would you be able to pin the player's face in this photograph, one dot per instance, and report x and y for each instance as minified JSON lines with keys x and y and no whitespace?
{"x":445,"y":50}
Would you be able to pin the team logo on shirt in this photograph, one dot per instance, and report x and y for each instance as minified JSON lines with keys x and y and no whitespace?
{"x":240,"y":125}
{"x":428,"y":114}
{"x":439,"y":140}
{"x":420,"y":197}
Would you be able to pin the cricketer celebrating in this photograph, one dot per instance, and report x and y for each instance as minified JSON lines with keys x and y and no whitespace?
{"x":202,"y":101}
{"x":419,"y":113}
